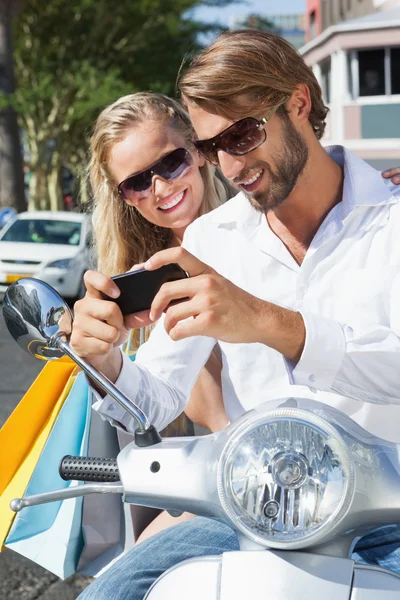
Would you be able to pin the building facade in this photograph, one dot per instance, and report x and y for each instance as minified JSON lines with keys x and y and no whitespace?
{"x":322,"y":14}
{"x":357,"y":63}
{"x":313,"y":19}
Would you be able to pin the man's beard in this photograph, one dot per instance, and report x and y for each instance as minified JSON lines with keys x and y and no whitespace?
{"x":291,"y":162}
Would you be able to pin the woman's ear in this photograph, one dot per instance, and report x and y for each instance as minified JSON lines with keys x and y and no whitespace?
{"x":130,"y":203}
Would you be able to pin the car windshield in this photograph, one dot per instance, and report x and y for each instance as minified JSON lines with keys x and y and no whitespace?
{"x":44,"y":231}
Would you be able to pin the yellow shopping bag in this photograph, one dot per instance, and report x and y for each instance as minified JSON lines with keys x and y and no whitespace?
{"x":24,"y":434}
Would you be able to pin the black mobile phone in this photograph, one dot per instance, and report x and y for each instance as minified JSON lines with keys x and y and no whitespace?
{"x":139,"y":288}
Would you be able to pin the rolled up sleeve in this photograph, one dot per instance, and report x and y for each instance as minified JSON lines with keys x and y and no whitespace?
{"x":361,"y":362}
{"x":323,"y":353}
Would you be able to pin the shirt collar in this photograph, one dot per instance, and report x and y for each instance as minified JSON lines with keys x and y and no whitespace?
{"x":363,"y":186}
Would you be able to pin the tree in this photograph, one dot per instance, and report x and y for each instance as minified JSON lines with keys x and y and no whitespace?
{"x":73,"y":57}
{"x":257,"y":22}
{"x":12,"y":191}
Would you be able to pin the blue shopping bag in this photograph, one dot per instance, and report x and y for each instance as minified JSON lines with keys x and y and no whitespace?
{"x":51,"y":534}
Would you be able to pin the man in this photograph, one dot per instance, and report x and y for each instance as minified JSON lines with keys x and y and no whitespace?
{"x":297,"y":277}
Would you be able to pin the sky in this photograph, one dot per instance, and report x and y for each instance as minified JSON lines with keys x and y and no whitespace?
{"x":262,"y":7}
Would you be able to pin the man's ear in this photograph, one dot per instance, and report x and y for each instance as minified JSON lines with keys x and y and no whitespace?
{"x":299,"y":104}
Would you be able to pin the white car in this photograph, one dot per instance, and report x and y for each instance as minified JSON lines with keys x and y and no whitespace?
{"x":51,"y":246}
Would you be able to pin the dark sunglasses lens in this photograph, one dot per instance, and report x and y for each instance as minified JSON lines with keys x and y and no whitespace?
{"x":243,"y":137}
{"x":207,"y":149}
{"x":171,"y":166}
{"x":135,"y":184}
{"x":174,"y":164}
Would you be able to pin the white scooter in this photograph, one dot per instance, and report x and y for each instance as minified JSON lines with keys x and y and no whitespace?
{"x":298,"y":481}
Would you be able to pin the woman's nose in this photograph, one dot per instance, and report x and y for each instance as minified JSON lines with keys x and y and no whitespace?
{"x":160,"y":186}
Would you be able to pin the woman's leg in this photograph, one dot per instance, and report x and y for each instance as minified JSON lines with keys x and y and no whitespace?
{"x":161,"y":522}
{"x":134,"y":573}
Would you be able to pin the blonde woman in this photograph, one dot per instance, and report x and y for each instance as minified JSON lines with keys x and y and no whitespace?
{"x":148,"y":185}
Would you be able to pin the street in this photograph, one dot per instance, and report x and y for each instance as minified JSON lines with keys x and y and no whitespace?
{"x":21,"y":579}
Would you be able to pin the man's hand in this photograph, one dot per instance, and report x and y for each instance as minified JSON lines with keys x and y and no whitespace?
{"x":393,"y":174}
{"x":220,"y":309}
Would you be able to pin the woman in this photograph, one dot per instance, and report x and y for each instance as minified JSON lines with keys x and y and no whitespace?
{"x":148,"y":185}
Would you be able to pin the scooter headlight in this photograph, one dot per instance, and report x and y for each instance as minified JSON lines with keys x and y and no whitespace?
{"x":286,"y":478}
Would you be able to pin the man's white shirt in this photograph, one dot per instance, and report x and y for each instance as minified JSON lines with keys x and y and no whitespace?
{"x":347,"y":290}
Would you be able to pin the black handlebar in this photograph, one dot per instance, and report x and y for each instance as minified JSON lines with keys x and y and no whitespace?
{"x":88,"y":468}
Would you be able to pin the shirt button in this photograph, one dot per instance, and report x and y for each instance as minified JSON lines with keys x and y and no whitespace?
{"x":312,"y":378}
{"x":111,"y":407}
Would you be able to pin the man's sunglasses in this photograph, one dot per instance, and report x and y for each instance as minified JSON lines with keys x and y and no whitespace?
{"x":242,"y":137}
{"x":170,"y":167}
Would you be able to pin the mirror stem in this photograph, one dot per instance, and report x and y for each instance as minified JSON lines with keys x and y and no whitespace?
{"x":106,"y":385}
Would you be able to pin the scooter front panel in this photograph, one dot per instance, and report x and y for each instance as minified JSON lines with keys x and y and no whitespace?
{"x":196,"y":578}
{"x":374,"y":583}
{"x":278,"y":575}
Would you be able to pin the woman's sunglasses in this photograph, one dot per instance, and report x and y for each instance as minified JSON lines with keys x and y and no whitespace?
{"x":170,"y":167}
{"x":242,"y":137}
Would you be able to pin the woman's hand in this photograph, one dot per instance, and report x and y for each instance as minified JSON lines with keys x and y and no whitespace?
{"x":99,"y":326}
{"x":393,"y":174}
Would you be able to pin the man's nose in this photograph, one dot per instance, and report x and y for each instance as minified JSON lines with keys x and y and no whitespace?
{"x":230,"y":165}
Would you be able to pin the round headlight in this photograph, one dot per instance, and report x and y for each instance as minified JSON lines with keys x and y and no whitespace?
{"x":286,"y":478}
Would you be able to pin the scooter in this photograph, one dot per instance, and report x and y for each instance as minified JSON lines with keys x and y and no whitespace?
{"x":298,"y":481}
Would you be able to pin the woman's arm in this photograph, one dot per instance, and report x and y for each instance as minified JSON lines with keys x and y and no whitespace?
{"x":206,"y":405}
{"x":393,"y":174}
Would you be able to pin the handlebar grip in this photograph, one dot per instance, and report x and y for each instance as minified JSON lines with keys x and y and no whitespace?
{"x":88,"y":468}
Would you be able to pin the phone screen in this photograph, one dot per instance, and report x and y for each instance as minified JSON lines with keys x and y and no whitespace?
{"x":139,"y":288}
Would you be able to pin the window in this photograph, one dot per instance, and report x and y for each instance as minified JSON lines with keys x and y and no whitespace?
{"x":313,"y":25}
{"x":371,"y":68}
{"x":331,"y":13}
{"x":44,"y":231}
{"x":379,"y":71}
{"x":350,"y":76}
{"x":325,"y":80}
{"x":325,"y":15}
{"x":395,"y":70}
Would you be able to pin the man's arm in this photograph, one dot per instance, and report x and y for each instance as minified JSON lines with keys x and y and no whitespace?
{"x":355,"y":361}
{"x":360,"y":362}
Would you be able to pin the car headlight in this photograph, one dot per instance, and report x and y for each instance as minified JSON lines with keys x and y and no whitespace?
{"x":63,"y":263}
{"x":286,"y":478}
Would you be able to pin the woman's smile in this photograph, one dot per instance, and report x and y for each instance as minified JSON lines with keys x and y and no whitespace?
{"x":172,"y":202}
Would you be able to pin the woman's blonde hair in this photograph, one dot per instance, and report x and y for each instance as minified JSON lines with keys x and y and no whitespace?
{"x":122,"y":236}
{"x":245,"y":73}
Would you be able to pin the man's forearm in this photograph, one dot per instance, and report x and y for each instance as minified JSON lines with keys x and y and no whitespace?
{"x":283,"y":330}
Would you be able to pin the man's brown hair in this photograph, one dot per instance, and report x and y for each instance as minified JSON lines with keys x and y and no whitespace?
{"x":246,"y":73}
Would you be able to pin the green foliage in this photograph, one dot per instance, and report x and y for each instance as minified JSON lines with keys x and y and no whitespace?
{"x":258,"y":22}
{"x":73,"y":57}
